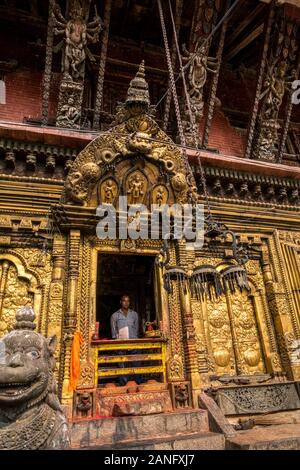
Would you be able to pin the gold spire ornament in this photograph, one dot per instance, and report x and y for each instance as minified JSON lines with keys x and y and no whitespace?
{"x":138,"y":91}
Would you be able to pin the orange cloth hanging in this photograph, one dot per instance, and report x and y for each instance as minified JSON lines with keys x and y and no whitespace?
{"x":75,"y":360}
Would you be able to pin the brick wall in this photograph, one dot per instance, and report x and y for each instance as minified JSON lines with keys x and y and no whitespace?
{"x":24,"y":96}
{"x":226,"y":138}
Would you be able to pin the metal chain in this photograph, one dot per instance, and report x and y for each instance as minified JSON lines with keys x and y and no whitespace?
{"x":192,"y":123}
{"x":174,"y":91}
{"x":171,"y":75}
{"x":179,"y":4}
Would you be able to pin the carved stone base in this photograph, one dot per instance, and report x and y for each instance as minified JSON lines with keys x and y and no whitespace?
{"x":69,"y":103}
{"x":251,"y":399}
{"x":110,"y":432}
{"x":138,"y":403}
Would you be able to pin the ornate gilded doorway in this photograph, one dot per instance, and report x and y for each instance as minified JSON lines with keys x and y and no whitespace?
{"x":133,"y":275}
{"x":235,"y":332}
{"x":233,"y":335}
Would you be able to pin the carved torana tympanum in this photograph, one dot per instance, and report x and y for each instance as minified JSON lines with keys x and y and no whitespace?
{"x":135,"y":139}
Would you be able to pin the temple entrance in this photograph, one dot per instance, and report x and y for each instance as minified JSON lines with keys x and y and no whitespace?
{"x":136,"y":362}
{"x":125,"y":274}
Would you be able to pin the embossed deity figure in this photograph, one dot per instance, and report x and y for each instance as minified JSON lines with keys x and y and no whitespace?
{"x":78,"y":32}
{"x":135,"y":190}
{"x":109,"y":192}
{"x":30,"y":413}
{"x":159,"y":195}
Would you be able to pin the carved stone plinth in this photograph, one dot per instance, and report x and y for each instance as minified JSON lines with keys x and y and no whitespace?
{"x":138,"y":409}
{"x":138,"y":403}
{"x":69,"y":103}
{"x":253,"y":399}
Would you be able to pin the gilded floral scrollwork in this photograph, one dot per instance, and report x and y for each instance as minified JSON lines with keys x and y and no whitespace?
{"x":15,"y":295}
{"x":219,"y":335}
{"x":23,"y":281}
{"x":248,"y":340}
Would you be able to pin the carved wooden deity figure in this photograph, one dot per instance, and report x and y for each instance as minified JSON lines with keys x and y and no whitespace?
{"x":199,"y":64}
{"x":78,"y":32}
{"x":276,"y":84}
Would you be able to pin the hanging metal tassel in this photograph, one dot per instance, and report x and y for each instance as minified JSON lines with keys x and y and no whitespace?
{"x":205,"y":280}
{"x":175,"y":274}
{"x":234,"y":277}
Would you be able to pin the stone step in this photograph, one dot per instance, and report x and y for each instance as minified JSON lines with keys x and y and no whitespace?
{"x":187,"y":441}
{"x":109,"y":431}
{"x":280,"y":437}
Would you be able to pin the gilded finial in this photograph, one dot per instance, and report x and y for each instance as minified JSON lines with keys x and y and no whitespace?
{"x":138,"y":91}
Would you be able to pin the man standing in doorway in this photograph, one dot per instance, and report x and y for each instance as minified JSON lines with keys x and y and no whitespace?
{"x":125,"y":325}
{"x":124,"y":322}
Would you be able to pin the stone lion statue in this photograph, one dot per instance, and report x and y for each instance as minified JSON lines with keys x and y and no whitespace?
{"x":30,"y":413}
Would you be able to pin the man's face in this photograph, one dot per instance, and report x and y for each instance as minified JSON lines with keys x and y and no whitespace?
{"x":125,"y":302}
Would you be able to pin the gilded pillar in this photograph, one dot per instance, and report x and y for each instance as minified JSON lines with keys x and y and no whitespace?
{"x":176,"y":365}
{"x":3,"y":280}
{"x":55,"y":309}
{"x":70,"y":316}
{"x":186,"y":259}
{"x":269,"y":342}
{"x":281,"y":306}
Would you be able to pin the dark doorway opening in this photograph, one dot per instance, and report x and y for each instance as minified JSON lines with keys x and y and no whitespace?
{"x":125,"y":274}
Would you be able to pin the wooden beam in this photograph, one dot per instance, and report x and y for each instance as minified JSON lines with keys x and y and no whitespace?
{"x":239,"y":47}
{"x":252,"y":122}
{"x":244,"y":24}
{"x":48,"y":65}
{"x":102,"y":63}
{"x":287,"y":116}
{"x":126,"y":14}
{"x":213,"y":88}
{"x":34,"y":7}
{"x":20,"y":17}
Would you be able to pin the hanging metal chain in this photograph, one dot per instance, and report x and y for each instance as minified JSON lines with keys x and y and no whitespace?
{"x":179,"y":4}
{"x":171,"y":75}
{"x":190,"y":114}
{"x":174,"y":93}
